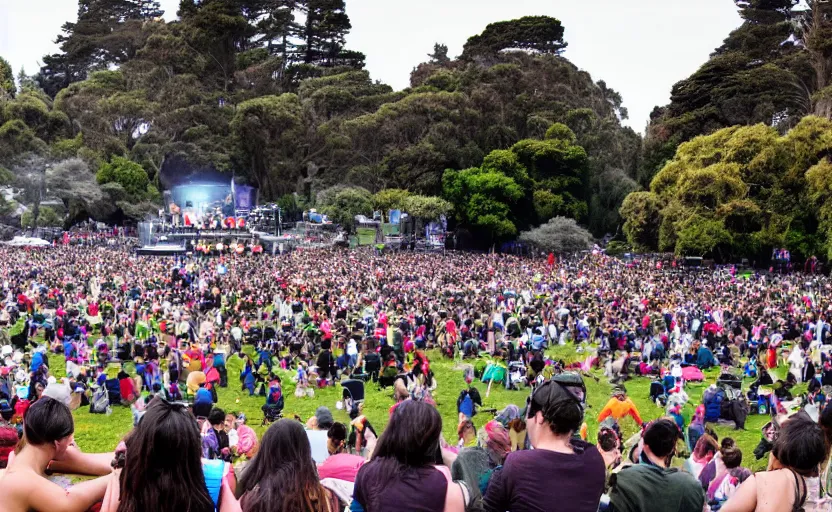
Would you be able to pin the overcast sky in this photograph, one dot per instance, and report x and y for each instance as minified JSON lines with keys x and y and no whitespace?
{"x":639,"y":47}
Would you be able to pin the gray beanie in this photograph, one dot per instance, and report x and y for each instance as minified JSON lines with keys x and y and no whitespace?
{"x":324,"y":416}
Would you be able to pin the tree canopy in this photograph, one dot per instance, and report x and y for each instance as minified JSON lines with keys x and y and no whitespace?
{"x":505,"y":137}
{"x":739,"y":192}
{"x":559,"y":235}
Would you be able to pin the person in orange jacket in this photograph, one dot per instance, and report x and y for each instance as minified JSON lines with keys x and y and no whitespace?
{"x":620,"y":406}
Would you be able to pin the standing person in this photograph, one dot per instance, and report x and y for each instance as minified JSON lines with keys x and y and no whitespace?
{"x":652,"y":485}
{"x":791,"y":481}
{"x":48,"y":434}
{"x":561,"y":473}
{"x":282,"y":476}
{"x":403,"y":473}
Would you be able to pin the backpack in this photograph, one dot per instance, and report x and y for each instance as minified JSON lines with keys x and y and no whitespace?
{"x":465,"y":405}
{"x":712,"y":400}
{"x":100,"y":401}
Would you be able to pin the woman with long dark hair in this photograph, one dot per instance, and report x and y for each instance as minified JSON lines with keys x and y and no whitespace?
{"x":282,"y":476}
{"x":403,"y":473}
{"x":162,"y":465}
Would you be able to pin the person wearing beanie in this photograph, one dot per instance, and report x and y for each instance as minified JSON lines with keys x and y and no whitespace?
{"x":316,"y":430}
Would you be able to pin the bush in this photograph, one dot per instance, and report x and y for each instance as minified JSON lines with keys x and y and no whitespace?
{"x":126,"y":173}
{"x":616,"y":248}
{"x":47,"y":218}
{"x":559,"y":235}
{"x":342,"y":204}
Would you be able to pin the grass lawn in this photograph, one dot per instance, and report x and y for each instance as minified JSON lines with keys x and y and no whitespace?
{"x":99,"y":433}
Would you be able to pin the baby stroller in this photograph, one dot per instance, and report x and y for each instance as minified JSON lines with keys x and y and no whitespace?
{"x":729,"y":380}
{"x":516,"y":374}
{"x":353,"y":395}
{"x":273,"y":408}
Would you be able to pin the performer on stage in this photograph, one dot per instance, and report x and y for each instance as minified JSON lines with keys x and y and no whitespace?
{"x":175,"y":212}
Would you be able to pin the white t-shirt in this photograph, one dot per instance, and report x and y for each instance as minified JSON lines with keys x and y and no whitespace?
{"x":317,"y":441}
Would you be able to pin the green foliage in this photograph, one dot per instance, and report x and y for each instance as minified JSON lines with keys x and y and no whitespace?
{"x":819,"y":179}
{"x":738,"y":192}
{"x":560,"y":131}
{"x":483,"y":199}
{"x":68,"y":148}
{"x":699,"y":236}
{"x":760,"y":74}
{"x":546,"y":204}
{"x":47,"y":217}
{"x":426,"y":207}
{"x":641,"y":213}
{"x":439,"y":55}
{"x":617,"y":248}
{"x":288,"y":204}
{"x":266,"y":130}
{"x":390,"y":199}
{"x":269,"y":92}
{"x":130,"y":175}
{"x":7,"y":86}
{"x":6,"y":176}
{"x":536,"y":33}
{"x":343,"y":203}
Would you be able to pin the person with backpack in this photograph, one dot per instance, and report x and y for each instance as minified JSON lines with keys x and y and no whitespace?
{"x":561,"y":473}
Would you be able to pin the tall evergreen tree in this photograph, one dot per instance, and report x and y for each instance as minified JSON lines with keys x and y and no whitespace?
{"x":760,"y":74}
{"x":107,"y":32}
{"x":324,"y":34}
{"x":7,"y":87}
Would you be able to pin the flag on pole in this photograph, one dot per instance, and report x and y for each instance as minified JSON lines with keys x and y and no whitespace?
{"x":233,"y":195}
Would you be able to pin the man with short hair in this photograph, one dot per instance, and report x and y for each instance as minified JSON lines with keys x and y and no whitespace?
{"x":652,"y":485}
{"x":561,"y":473}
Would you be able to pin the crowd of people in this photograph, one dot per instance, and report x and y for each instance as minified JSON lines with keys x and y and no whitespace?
{"x":161,"y":330}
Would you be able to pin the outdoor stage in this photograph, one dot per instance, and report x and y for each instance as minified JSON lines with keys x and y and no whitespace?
{"x":157,"y":239}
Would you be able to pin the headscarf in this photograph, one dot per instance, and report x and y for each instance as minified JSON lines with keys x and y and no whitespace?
{"x":698,"y":416}
{"x":493,"y":437}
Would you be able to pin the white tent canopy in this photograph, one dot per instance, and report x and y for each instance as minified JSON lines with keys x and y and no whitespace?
{"x":26,"y":241}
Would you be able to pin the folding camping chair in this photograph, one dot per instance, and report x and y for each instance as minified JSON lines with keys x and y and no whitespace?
{"x":353,"y":394}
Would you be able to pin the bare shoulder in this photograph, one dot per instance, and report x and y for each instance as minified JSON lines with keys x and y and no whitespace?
{"x":15,"y":486}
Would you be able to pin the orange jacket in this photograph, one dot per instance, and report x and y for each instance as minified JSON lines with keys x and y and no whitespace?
{"x":619,"y":409}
